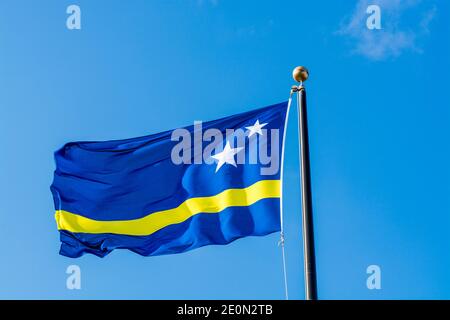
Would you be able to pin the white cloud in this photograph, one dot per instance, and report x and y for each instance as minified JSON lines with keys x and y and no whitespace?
{"x":395,"y":37}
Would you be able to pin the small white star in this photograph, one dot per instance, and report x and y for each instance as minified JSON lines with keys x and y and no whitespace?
{"x":226,"y":156}
{"x":256,"y":128}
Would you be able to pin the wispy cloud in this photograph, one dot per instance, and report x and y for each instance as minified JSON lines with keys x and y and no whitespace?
{"x":427,"y":18}
{"x":395,"y":37}
{"x":259,"y":30}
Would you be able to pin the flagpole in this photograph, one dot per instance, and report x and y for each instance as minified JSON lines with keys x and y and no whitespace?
{"x":300,"y":74}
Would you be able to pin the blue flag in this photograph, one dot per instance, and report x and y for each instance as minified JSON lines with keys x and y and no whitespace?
{"x":208,"y":183}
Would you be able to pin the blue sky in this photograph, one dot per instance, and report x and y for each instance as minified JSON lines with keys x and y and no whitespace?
{"x":379,"y":133}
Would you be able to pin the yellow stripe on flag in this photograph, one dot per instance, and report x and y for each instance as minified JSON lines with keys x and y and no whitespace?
{"x":157,"y":220}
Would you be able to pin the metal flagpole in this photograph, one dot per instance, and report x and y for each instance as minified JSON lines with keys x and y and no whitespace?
{"x":300,"y":75}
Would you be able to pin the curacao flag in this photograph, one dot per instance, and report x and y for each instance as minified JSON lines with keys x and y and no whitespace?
{"x":170,"y":192}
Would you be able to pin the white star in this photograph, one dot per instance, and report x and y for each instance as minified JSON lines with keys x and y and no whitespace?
{"x":256,"y":128}
{"x":226,"y":156}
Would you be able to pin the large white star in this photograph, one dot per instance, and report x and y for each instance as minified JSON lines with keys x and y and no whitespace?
{"x":256,"y":128}
{"x":226,"y":156}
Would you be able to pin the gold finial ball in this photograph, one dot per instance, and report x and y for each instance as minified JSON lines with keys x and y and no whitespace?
{"x":300,"y":74}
